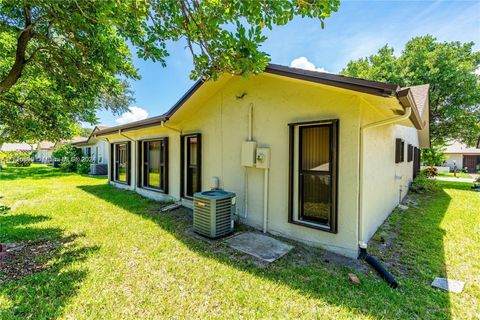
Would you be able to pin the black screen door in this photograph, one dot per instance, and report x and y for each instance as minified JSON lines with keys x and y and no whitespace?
{"x":191,"y":164}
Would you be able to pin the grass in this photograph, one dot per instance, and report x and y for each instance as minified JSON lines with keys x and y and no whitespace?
{"x":451,"y":175}
{"x":120,"y":258}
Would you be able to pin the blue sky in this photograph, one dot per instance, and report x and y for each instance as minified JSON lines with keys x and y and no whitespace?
{"x":358,"y":29}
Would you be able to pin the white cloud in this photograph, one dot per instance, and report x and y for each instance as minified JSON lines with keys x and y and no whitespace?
{"x":135,"y":114}
{"x":304,"y":63}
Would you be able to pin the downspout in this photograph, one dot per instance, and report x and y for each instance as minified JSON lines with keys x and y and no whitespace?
{"x":362,"y":243}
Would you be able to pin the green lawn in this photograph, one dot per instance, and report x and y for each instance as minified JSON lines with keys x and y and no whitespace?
{"x":451,"y":175}
{"x":95,"y":252}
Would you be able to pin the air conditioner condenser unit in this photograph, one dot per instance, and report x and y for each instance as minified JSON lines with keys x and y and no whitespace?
{"x":213,"y":213}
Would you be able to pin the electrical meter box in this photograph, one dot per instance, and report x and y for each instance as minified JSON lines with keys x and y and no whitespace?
{"x":263,"y":158}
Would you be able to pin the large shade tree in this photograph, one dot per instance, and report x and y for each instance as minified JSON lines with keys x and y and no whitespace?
{"x":451,"y":69}
{"x":62,"y":60}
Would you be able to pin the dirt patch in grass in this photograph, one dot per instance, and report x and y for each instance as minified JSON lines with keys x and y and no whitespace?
{"x":301,"y":255}
{"x":21,"y":259}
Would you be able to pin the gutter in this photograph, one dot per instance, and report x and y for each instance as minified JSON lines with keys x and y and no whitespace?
{"x":408,"y":111}
{"x":405,"y":97}
{"x":362,"y":242}
{"x":162,"y":124}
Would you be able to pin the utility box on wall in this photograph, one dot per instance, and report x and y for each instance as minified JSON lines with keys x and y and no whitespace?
{"x":249,"y":153}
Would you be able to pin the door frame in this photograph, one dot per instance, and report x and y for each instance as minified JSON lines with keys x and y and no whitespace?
{"x":184,"y":158}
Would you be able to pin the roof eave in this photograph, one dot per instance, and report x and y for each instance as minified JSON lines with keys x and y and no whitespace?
{"x":359,"y":85}
{"x":405,"y":97}
{"x":354,"y":84}
{"x":151,"y":122}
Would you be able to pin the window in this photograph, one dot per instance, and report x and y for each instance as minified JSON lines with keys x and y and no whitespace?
{"x":409,"y":153}
{"x":154,"y":164}
{"x":399,"y":150}
{"x":313,"y":174}
{"x":416,"y":161}
{"x":122,"y":162}
{"x":87,"y":152}
{"x":191,"y":156}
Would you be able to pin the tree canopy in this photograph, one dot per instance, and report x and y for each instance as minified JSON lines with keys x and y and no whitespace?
{"x":450,"y":69}
{"x":62,"y":60}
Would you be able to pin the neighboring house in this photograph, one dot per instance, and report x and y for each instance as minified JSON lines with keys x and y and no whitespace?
{"x":461,"y":156}
{"x":95,"y":149}
{"x":46,"y":148}
{"x":18,"y":147}
{"x":71,"y":141}
{"x":340,"y":151}
{"x":44,"y":151}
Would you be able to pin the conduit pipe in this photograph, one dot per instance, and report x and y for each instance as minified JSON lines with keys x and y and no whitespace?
{"x":250,"y":137}
{"x":361,"y":241}
{"x":250,"y":121}
{"x":265,"y":201}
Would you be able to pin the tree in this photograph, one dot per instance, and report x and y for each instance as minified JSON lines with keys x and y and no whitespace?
{"x":68,"y":156}
{"x":62,"y":60}
{"x":433,"y":156}
{"x":449,"y":68}
{"x":84,"y":132}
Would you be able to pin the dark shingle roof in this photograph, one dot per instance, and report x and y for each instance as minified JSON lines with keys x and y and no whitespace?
{"x":349,"y":83}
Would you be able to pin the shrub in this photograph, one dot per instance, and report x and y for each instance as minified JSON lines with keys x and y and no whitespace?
{"x":23,"y":162}
{"x":67,"y":165}
{"x":83,"y":167}
{"x":13,"y":157}
{"x":430,"y":172}
{"x":422,"y":184}
{"x":68,"y":156}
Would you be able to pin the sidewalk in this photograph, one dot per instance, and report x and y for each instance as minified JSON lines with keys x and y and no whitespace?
{"x":455,"y":179}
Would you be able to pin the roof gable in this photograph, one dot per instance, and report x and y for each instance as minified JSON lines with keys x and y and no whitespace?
{"x":405,"y":96}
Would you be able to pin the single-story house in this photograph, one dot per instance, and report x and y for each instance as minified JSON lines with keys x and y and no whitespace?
{"x":95,"y":149}
{"x":311,"y":156}
{"x":463,"y":157}
{"x":44,"y":151}
{"x":18,"y":147}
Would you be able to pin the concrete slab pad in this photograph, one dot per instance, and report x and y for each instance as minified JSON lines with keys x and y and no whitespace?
{"x":259,"y":245}
{"x":448,"y":285}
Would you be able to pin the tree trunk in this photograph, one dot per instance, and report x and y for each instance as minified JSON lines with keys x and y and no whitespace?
{"x":20,"y":61}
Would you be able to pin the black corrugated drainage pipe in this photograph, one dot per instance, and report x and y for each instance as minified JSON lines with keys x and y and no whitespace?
{"x":375,"y":264}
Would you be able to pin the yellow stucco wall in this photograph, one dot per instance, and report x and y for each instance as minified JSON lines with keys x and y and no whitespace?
{"x":385,"y":182}
{"x":222,"y":118}
{"x":223,"y":122}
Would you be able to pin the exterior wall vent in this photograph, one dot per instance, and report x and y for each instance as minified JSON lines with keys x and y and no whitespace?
{"x":213,"y":213}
